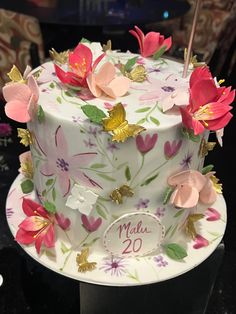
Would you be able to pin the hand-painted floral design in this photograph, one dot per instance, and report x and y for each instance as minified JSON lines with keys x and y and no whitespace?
{"x":160,"y":261}
{"x":190,"y":187}
{"x":26,"y":165}
{"x":62,"y":221}
{"x":5,"y":129}
{"x":112,"y":146}
{"x":82,"y":199}
{"x":208,"y":106}
{"x":116,"y":266}
{"x":160,"y":212}
{"x":179,"y":97}
{"x":21,"y":100}
{"x":142,"y":203}
{"x":90,"y":223}
{"x":186,"y":161}
{"x":151,"y":43}
{"x":212,"y":214}
{"x":171,"y":149}
{"x":144,"y":145}
{"x":88,"y":143}
{"x":63,"y":166}
{"x":200,"y":242}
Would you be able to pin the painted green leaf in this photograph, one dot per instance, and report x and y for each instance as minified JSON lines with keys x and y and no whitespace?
{"x":101,"y":212}
{"x":127,"y":173}
{"x":49,"y":182}
{"x":85,"y":40}
{"x":52,"y":85}
{"x":27,"y":186}
{"x":93,"y":113}
{"x":49,"y":254}
{"x":179,"y":213}
{"x":141,"y":121}
{"x":59,"y":99}
{"x":189,"y":134}
{"x":150,"y":179}
{"x":173,"y":231}
{"x":64,"y":248}
{"x":44,"y":192}
{"x":159,"y":53}
{"x":154,"y":120}
{"x":50,"y":207}
{"x":97,"y":166}
{"x":37,"y":164}
{"x":175,"y":251}
{"x":207,"y":169}
{"x":145,"y":109}
{"x":106,"y":177}
{"x":69,"y":94}
{"x":121,"y":165}
{"x":87,"y":244}
{"x":168,"y":230}
{"x":53,"y":194}
{"x":130,"y":63}
{"x":40,"y":114}
{"x":167,"y":195}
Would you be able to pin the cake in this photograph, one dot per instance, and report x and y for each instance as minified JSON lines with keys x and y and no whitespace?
{"x":117,"y":147}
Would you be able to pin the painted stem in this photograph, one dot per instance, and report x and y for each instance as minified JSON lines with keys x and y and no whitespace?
{"x":190,"y":44}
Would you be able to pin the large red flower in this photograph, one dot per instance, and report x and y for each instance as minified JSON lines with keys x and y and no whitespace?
{"x":80,"y":66}
{"x":208,"y":104}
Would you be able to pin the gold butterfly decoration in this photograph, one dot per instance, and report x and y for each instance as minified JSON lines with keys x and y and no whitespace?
{"x":119,"y":126}
{"x":216,"y":185}
{"x":137,"y":74}
{"x":107,"y":46}
{"x":82,"y":261}
{"x":15,"y":75}
{"x":117,"y":194}
{"x":205,"y":147}
{"x":193,"y":60}
{"x":26,"y":137}
{"x":60,"y":57}
{"x":189,"y":226}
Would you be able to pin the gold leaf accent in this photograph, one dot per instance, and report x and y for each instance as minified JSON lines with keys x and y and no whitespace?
{"x":118,"y":125}
{"x":189,"y":226}
{"x":82,"y":261}
{"x":216,"y":185}
{"x":27,"y":169}
{"x":193,"y":60}
{"x":26,"y":137}
{"x":205,"y":147}
{"x":107,"y":46}
{"x":60,"y":57}
{"x":117,"y":194}
{"x":137,"y":74}
{"x":15,"y":75}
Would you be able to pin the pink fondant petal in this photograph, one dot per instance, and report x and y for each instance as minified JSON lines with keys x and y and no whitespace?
{"x":117,"y":87}
{"x":105,"y":74}
{"x":49,"y":238}
{"x":33,"y":87}
{"x":29,"y":207}
{"x":220,"y":123}
{"x":97,"y":61}
{"x":200,"y":73}
{"x":185,"y":196}
{"x":151,"y":44}
{"x":32,"y":223}
{"x":25,"y":237}
{"x":39,"y":240}
{"x":92,"y":85}
{"x":192,"y":177}
{"x":17,"y":111}
{"x":16,"y":91}
{"x":208,"y":194}
{"x":203,"y":92}
{"x":168,"y":43}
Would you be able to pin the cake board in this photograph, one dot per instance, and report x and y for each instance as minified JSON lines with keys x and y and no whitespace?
{"x":112,"y":271}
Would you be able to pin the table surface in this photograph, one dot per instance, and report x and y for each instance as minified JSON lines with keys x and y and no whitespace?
{"x":102,"y":12}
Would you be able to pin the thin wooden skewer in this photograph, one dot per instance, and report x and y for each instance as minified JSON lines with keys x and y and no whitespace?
{"x":190,"y":44}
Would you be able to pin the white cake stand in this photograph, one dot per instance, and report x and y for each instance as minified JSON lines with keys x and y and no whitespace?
{"x":117,"y":271}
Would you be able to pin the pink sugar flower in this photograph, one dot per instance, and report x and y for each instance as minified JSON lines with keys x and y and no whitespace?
{"x":200,"y":242}
{"x":21,"y":100}
{"x":212,"y":214}
{"x":90,"y":223}
{"x":37,"y":227}
{"x":172,"y":149}
{"x":150,"y":43}
{"x":144,"y":145}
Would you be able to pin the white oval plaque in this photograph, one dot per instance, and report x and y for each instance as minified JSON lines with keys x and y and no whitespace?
{"x":134,"y":234}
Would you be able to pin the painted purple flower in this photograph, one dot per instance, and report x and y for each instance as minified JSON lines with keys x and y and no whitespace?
{"x":5,"y":129}
{"x":160,"y":212}
{"x":9,"y":212}
{"x":90,"y":223}
{"x":160,"y":261}
{"x":111,"y":146}
{"x":212,"y":214}
{"x":143,"y":203}
{"x":186,"y":162}
{"x":76,"y":119}
{"x":62,"y":165}
{"x":144,"y":145}
{"x":171,"y":149}
{"x":94,"y":131}
{"x":89,"y":143}
{"x":114,"y":265}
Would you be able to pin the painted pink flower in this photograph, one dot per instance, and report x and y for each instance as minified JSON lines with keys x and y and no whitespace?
{"x":63,"y":221}
{"x":208,"y":106}
{"x":21,"y":100}
{"x":150,"y":43}
{"x":212,"y":214}
{"x":144,"y":145}
{"x":5,"y":129}
{"x":37,"y":227}
{"x":105,"y":81}
{"x":172,"y":149}
{"x":200,"y":242}
{"x":80,"y":66}
{"x":62,"y":165}
{"x":90,"y":223}
{"x":190,"y":187}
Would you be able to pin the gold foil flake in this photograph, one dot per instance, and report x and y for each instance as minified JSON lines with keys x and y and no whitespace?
{"x":118,"y":125}
{"x":60,"y":57}
{"x":26,"y":137}
{"x":107,"y":46}
{"x":26,"y":168}
{"x":189,"y":226}
{"x":137,"y":74}
{"x":205,"y":147}
{"x":193,"y":60}
{"x":216,"y":185}
{"x":82,"y":261}
{"x":117,"y":194}
{"x":15,"y":75}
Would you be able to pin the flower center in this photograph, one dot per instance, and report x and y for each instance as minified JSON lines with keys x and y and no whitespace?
{"x":204,"y":113}
{"x":114,"y":265}
{"x":62,"y":164}
{"x":168,"y":89}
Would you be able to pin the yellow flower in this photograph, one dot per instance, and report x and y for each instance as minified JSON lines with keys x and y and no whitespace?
{"x":26,"y":136}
